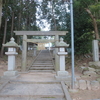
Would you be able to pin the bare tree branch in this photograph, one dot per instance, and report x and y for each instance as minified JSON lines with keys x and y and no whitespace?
{"x":94,"y":23}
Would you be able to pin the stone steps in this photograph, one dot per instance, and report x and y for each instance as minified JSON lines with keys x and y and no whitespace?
{"x":25,"y":90}
{"x":42,"y":68}
{"x":43,"y":62}
{"x":44,"y":59}
{"x":42,"y":65}
{"x":41,"y":71}
{"x":35,"y":96}
{"x":29,"y":98}
{"x":34,"y":90}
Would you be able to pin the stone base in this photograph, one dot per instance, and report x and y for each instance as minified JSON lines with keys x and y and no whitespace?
{"x":73,"y":90}
{"x":68,"y":78}
{"x":10,"y":74}
{"x":63,"y":75}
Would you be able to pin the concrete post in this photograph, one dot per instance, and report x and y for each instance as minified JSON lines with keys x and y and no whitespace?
{"x":24,"y":53}
{"x":95,"y":50}
{"x":56,"y":56}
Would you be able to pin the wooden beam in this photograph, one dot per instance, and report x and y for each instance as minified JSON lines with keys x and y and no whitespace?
{"x":41,"y":33}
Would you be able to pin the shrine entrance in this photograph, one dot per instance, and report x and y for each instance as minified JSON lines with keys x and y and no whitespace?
{"x":39,"y":33}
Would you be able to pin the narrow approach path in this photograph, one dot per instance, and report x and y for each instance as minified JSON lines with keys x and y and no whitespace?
{"x":35,"y":85}
{"x":43,"y":62}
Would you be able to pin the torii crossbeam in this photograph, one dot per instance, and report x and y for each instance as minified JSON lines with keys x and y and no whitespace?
{"x":41,"y":33}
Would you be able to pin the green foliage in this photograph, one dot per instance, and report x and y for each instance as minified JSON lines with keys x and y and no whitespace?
{"x":54,"y":12}
{"x":82,"y":22}
{"x":95,"y":7}
{"x":83,"y":34}
{"x":83,"y":31}
{"x":24,"y":17}
{"x":28,"y":12}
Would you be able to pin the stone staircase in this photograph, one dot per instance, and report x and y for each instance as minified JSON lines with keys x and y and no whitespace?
{"x":43,"y":62}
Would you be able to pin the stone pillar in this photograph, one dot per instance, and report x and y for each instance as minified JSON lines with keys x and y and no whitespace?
{"x":95,"y":50}
{"x":11,"y":59}
{"x":34,"y":50}
{"x":62,"y":58}
{"x":56,"y":56}
{"x":24,"y":53}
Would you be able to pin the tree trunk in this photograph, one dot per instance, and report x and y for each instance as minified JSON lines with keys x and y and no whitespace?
{"x":55,"y":26}
{"x":0,"y":11}
{"x":12,"y":25}
{"x":94,"y":23}
{"x":19,"y":28}
{"x":19,"y":22}
{"x":4,"y":37}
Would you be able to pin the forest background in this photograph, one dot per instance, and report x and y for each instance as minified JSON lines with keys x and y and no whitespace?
{"x":53,"y":15}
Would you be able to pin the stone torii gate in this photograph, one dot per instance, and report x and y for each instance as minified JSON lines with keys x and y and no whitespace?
{"x":39,"y":33}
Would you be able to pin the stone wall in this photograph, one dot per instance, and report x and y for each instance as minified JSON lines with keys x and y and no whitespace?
{"x":85,"y":84}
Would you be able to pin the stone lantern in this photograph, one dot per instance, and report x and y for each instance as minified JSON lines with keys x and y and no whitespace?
{"x":62,"y":74}
{"x":11,"y":58}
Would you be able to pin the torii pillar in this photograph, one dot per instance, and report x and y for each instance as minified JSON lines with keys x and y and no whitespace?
{"x":24,"y":53}
{"x":57,"y":66}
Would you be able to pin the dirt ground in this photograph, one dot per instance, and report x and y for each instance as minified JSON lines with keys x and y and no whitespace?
{"x":79,"y":61}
